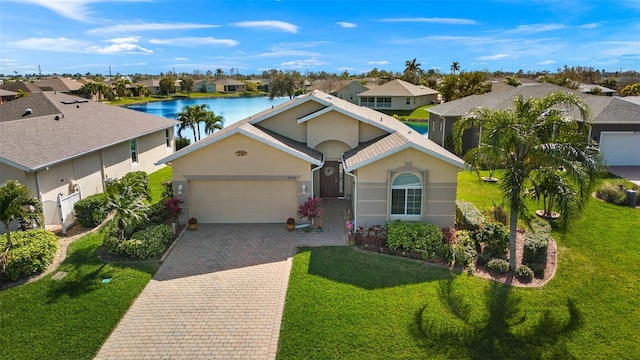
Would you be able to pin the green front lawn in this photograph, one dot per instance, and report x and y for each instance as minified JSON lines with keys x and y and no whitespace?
{"x":343,"y":303}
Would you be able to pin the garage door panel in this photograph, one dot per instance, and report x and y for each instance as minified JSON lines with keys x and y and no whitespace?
{"x":242,"y":201}
{"x":620,"y":148}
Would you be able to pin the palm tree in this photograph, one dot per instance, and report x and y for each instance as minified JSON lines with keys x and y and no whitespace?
{"x":16,"y":203}
{"x":128,"y":206}
{"x":141,"y":90}
{"x":219,"y":73}
{"x":121,"y":87}
{"x":213,"y":122}
{"x":631,"y":90}
{"x":455,"y":67}
{"x":412,"y":71}
{"x":536,"y":133}
{"x":187,"y":118}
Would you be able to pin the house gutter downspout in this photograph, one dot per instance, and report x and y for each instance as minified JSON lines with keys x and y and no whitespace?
{"x":312,"y":171}
{"x":355,"y":194}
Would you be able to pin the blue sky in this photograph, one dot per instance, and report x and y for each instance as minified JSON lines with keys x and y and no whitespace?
{"x":157,"y":36}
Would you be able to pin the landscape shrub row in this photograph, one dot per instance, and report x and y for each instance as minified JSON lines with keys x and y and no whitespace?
{"x":145,"y":244}
{"x":468,"y":217}
{"x":32,"y":252}
{"x":616,"y":193}
{"x":414,"y":236}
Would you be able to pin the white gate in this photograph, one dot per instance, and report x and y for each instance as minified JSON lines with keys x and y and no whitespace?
{"x":65,"y":203}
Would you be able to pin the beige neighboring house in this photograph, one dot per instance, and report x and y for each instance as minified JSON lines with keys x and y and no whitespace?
{"x":57,"y":144}
{"x":153,"y":86}
{"x":259,"y":169}
{"x":351,"y":91}
{"x":60,"y":84}
{"x":226,"y":86}
{"x":398,"y":95}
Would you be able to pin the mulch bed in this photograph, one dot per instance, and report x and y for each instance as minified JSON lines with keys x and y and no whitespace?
{"x":376,"y":244}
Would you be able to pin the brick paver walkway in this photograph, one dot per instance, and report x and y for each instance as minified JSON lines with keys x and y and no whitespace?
{"x":219,"y":294}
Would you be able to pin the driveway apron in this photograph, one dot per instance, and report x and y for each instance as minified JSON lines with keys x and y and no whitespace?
{"x":219,"y":294}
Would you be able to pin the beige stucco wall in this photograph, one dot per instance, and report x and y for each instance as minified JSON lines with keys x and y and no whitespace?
{"x":369,"y":132}
{"x":285,"y":123}
{"x":332,"y":149}
{"x":332,"y":126}
{"x":10,"y":173}
{"x":439,"y":192}
{"x":219,"y":161}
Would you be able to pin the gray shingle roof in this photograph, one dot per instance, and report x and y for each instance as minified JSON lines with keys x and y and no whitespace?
{"x":605,"y":109}
{"x":400,"y":135}
{"x":398,"y":88}
{"x":37,"y":140}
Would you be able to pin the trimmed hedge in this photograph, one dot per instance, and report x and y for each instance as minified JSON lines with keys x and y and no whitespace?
{"x":536,"y":242}
{"x":92,"y":210}
{"x":464,"y":251}
{"x":495,"y":238}
{"x":145,"y":244}
{"x":32,"y":252}
{"x":414,"y":236}
{"x":500,"y":266}
{"x":468,"y":217}
{"x":523,"y":272}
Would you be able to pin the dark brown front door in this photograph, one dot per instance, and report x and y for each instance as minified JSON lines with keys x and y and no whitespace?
{"x":331,"y":180}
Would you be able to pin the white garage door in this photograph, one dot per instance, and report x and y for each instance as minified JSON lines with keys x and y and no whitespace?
{"x":243,"y":201}
{"x":621,"y":148}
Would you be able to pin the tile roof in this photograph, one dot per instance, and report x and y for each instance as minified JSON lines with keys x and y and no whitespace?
{"x":400,"y":135}
{"x":398,"y":88}
{"x":605,"y":109}
{"x":63,"y":127}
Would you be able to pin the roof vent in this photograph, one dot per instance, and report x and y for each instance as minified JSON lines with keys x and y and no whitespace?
{"x":28,"y":111}
{"x":57,"y":117}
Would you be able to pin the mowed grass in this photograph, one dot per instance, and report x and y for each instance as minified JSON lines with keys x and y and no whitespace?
{"x":156,"y":180}
{"x":72,"y":317}
{"x":343,"y":303}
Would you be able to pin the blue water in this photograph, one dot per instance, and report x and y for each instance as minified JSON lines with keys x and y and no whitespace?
{"x":232,"y":109}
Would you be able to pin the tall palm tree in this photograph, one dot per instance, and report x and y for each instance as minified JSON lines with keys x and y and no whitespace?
{"x":455,"y":67}
{"x":121,"y":87}
{"x":412,"y":71}
{"x":219,"y":73}
{"x":188,"y":119}
{"x":536,"y":133}
{"x":16,"y":203}
{"x":141,"y":90}
{"x":213,"y":122}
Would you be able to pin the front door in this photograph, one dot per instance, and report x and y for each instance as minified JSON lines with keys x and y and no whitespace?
{"x":331,"y":180}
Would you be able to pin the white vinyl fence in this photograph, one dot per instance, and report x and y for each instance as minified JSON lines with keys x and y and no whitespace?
{"x":65,"y":203}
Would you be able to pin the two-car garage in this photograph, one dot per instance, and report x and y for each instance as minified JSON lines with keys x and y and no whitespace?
{"x":243,"y":201}
{"x":620,"y":148}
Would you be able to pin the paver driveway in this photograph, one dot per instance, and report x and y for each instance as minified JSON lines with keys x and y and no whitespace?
{"x":218,"y":295}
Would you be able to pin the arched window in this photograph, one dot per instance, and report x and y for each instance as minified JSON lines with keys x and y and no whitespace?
{"x":406,"y":195}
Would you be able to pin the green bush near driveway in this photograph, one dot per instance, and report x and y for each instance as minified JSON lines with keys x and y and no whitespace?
{"x":32,"y":252}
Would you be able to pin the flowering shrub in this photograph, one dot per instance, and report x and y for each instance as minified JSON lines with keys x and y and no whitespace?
{"x":173,"y":208}
{"x":349,"y":226}
{"x":310,"y":209}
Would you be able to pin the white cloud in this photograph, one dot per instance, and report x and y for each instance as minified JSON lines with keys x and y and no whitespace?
{"x":346,"y":68}
{"x":300,"y":64}
{"x":121,"y":28}
{"x":383,"y":62}
{"x":119,"y":48}
{"x":194,"y":41}
{"x":589,"y":26}
{"x":268,"y":24}
{"x":72,"y":9}
{"x":125,"y":40}
{"x":346,"y":25}
{"x":292,"y":52}
{"x":181,"y":59}
{"x":451,"y":21}
{"x":546,"y":62}
{"x":60,"y":44}
{"x":536,"y":28}
{"x":495,"y":57}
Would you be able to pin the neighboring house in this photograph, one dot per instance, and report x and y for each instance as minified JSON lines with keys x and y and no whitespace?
{"x":259,"y":169}
{"x":60,"y":84}
{"x":26,"y":87}
{"x":6,"y":95}
{"x":200,"y":85}
{"x":351,"y":91}
{"x":226,"y":86}
{"x":153,"y":86}
{"x":596,"y":90}
{"x":263,"y":84}
{"x":615,"y":121}
{"x":57,"y":144}
{"x":398,"y":95}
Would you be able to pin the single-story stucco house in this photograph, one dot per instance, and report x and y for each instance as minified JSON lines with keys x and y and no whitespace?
{"x":615,"y":122}
{"x":351,"y":91}
{"x":58,"y":144}
{"x":260,"y":169}
{"x":398,"y":95}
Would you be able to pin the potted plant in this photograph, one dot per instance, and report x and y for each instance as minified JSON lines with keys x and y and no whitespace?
{"x":193,"y":224}
{"x":291,"y":224}
{"x":310,"y":210}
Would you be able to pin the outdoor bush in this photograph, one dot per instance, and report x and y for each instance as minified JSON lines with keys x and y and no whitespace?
{"x":448,"y":235}
{"x":375,"y":236}
{"x":464,"y":251}
{"x":414,"y":236}
{"x":32,"y":252}
{"x":538,"y":270}
{"x":494,"y":237}
{"x":92,"y":210}
{"x":138,"y":181}
{"x":498,"y":214}
{"x":612,"y":194}
{"x":144,"y":244}
{"x":468,"y":217}
{"x":498,"y":265}
{"x":445,"y":252}
{"x":535,"y":243}
{"x":523,"y":272}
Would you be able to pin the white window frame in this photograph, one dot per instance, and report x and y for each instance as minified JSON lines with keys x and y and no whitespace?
{"x":406,"y":188}
{"x":133,"y":152}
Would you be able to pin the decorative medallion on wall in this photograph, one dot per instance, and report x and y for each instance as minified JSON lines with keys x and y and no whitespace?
{"x":328,"y":171}
{"x":241,"y":153}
